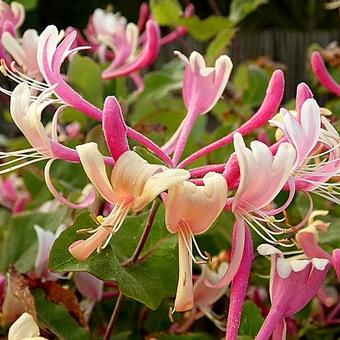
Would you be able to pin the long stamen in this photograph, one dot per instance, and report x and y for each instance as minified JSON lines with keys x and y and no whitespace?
{"x":270,"y":240}
{"x":22,"y":165}
{"x":206,"y":258}
{"x":11,"y":73}
{"x":189,"y":248}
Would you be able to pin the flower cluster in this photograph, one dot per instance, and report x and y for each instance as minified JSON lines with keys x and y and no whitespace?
{"x":306,"y":158}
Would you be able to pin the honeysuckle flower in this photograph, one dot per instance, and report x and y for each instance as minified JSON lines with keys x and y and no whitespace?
{"x":27,"y":117}
{"x":46,"y":239}
{"x":134,"y":182}
{"x":24,"y":51}
{"x":92,"y":290}
{"x":13,"y":195}
{"x":130,"y":59}
{"x":202,"y":88}
{"x":25,"y":328}
{"x":318,"y":153}
{"x":321,"y":73}
{"x":11,"y":15}
{"x":102,"y":27}
{"x":191,"y":210}
{"x":308,"y":240}
{"x":293,"y":283}
{"x":262,"y":177}
{"x":267,"y":110}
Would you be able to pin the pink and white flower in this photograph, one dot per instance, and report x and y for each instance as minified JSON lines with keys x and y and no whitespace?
{"x":316,"y":142}
{"x":293,"y":283}
{"x":24,"y":51}
{"x":262,"y":177}
{"x":202,"y":88}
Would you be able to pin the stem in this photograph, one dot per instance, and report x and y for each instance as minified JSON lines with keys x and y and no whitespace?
{"x":239,"y":288}
{"x":268,"y":327}
{"x":114,"y":317}
{"x":148,"y":225}
{"x":183,"y":137}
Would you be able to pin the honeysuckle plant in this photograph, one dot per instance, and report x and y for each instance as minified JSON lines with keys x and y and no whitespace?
{"x":147,"y":187}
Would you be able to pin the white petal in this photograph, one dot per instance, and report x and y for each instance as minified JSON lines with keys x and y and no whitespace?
{"x":24,"y":327}
{"x":299,"y":265}
{"x":283,"y":267}
{"x":319,"y":264}
{"x":267,"y":249}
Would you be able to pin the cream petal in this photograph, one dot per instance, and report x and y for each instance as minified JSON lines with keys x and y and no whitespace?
{"x":27,"y":117}
{"x":14,"y":48}
{"x":158,"y":183}
{"x":24,"y":328}
{"x":94,"y":166}
{"x":197,"y":206}
{"x":184,"y":295}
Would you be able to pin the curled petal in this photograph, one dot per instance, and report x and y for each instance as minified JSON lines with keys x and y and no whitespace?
{"x":239,"y":234}
{"x":87,"y":201}
{"x":308,"y":241}
{"x":28,"y":117}
{"x":259,"y":169}
{"x":158,"y":183}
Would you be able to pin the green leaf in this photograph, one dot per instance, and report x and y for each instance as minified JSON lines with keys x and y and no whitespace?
{"x":158,"y":84}
{"x":219,"y":44}
{"x":166,"y":12}
{"x":252,"y":319}
{"x":85,"y":76}
{"x":147,"y":155}
{"x":28,"y":4}
{"x":149,"y":281}
{"x":239,"y":9}
{"x":21,"y":239}
{"x":57,"y":318}
{"x":205,"y":29}
{"x":258,"y":82}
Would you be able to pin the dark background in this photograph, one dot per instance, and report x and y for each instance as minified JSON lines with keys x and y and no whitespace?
{"x":281,"y":29}
{"x":304,"y":15}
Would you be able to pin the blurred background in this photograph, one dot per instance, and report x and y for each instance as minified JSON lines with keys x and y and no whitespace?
{"x":280,"y":30}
